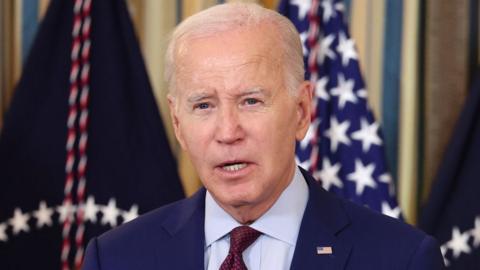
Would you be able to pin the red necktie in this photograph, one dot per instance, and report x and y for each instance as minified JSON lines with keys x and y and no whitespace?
{"x":240,"y":238}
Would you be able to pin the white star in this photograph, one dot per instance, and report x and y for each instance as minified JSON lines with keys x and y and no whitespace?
{"x":3,"y":234}
{"x":346,"y":47}
{"x":340,"y":7}
{"x":444,"y":249}
{"x":110,"y":213}
{"x":362,"y":93}
{"x":387,"y":210}
{"x":311,"y":133}
{"x":368,"y":134}
{"x":362,"y":176}
{"x":329,"y":174}
{"x":344,"y":91}
{"x":328,"y":10}
{"x":91,"y":210}
{"x":337,"y":133}
{"x":131,"y":214}
{"x":303,"y":39}
{"x":476,"y":232}
{"x":387,"y":179}
{"x":19,"y":221}
{"x":305,"y":164}
{"x":43,"y":215}
{"x":303,"y":7}
{"x":325,"y":50}
{"x":458,"y":243}
{"x":66,"y":210}
{"x":321,"y":88}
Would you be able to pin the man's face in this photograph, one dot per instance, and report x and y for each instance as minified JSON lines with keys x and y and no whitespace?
{"x":234,"y":117}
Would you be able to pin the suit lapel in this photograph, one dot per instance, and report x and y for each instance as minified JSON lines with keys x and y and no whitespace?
{"x":186,"y":227}
{"x":323,"y":220}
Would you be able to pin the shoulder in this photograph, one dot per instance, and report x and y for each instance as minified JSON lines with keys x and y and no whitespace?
{"x":359,"y":224}
{"x":140,"y":243}
{"x":367,"y":223}
{"x":161,"y":221}
{"x":373,"y":240}
{"x":389,"y":239}
{"x":142,"y":224}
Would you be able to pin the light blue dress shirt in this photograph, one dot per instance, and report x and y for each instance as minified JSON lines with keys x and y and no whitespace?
{"x":280,"y":226}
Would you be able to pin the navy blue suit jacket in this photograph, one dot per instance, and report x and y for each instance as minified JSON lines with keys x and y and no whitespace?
{"x":172,"y":237}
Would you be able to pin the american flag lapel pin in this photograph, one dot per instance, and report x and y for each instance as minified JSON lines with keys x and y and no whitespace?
{"x":324,"y":250}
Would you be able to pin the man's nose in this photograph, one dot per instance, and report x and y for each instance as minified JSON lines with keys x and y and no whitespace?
{"x":229,"y":127}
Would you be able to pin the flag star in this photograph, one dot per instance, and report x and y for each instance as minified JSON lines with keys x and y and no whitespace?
{"x":91,"y":210}
{"x":328,"y":10}
{"x":110,"y":213}
{"x":325,"y":50}
{"x":362,"y":93}
{"x":444,"y":249}
{"x":328,"y":176}
{"x":458,"y":243}
{"x":387,"y":210}
{"x":19,"y":222}
{"x":346,"y":47}
{"x":387,"y":179}
{"x":340,"y":7}
{"x":304,"y":164}
{"x":368,"y":134}
{"x":337,"y":133}
{"x":311,"y":134}
{"x":43,"y":215}
{"x":362,"y":176}
{"x":303,"y":38}
{"x":344,"y":91}
{"x":66,"y":210}
{"x":476,"y":232}
{"x":131,"y":214}
{"x":3,"y":234}
{"x":321,"y":88}
{"x":303,"y":7}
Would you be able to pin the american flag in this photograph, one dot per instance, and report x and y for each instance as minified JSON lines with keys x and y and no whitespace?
{"x":343,"y":147}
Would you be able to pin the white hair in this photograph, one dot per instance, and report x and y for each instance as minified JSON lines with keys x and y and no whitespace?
{"x":226,"y":17}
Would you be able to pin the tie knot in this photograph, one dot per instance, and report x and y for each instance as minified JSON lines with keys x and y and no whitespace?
{"x":241,"y":237}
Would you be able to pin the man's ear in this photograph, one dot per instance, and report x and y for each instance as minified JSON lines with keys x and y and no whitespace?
{"x":172,"y":105}
{"x":304,"y":108}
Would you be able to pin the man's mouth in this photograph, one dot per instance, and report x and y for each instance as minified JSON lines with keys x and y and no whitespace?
{"x":232,"y":167}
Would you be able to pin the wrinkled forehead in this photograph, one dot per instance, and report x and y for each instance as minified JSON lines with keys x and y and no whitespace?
{"x":239,"y":52}
{"x":248,"y":43}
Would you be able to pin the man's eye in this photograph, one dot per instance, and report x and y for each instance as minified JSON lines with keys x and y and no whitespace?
{"x":251,"y":101}
{"x":202,"y":106}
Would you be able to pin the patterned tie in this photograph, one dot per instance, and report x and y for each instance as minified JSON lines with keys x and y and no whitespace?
{"x":240,"y":238}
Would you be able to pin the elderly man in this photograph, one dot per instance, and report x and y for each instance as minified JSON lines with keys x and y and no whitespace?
{"x":238,"y":103}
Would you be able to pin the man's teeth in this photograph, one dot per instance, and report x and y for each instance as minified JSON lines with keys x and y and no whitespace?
{"x":234,"y":167}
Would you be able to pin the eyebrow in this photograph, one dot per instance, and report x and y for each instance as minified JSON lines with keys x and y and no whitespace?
{"x":255,"y":91}
{"x":198,"y":97}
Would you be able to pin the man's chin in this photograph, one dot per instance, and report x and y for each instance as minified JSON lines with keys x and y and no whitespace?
{"x":236,"y":202}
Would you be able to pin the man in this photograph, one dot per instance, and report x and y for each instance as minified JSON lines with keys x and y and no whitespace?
{"x":238,"y":103}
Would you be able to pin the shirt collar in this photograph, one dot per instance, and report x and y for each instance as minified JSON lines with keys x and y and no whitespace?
{"x":287,"y":210}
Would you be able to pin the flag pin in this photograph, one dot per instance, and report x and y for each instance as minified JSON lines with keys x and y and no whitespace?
{"x":324,"y":250}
